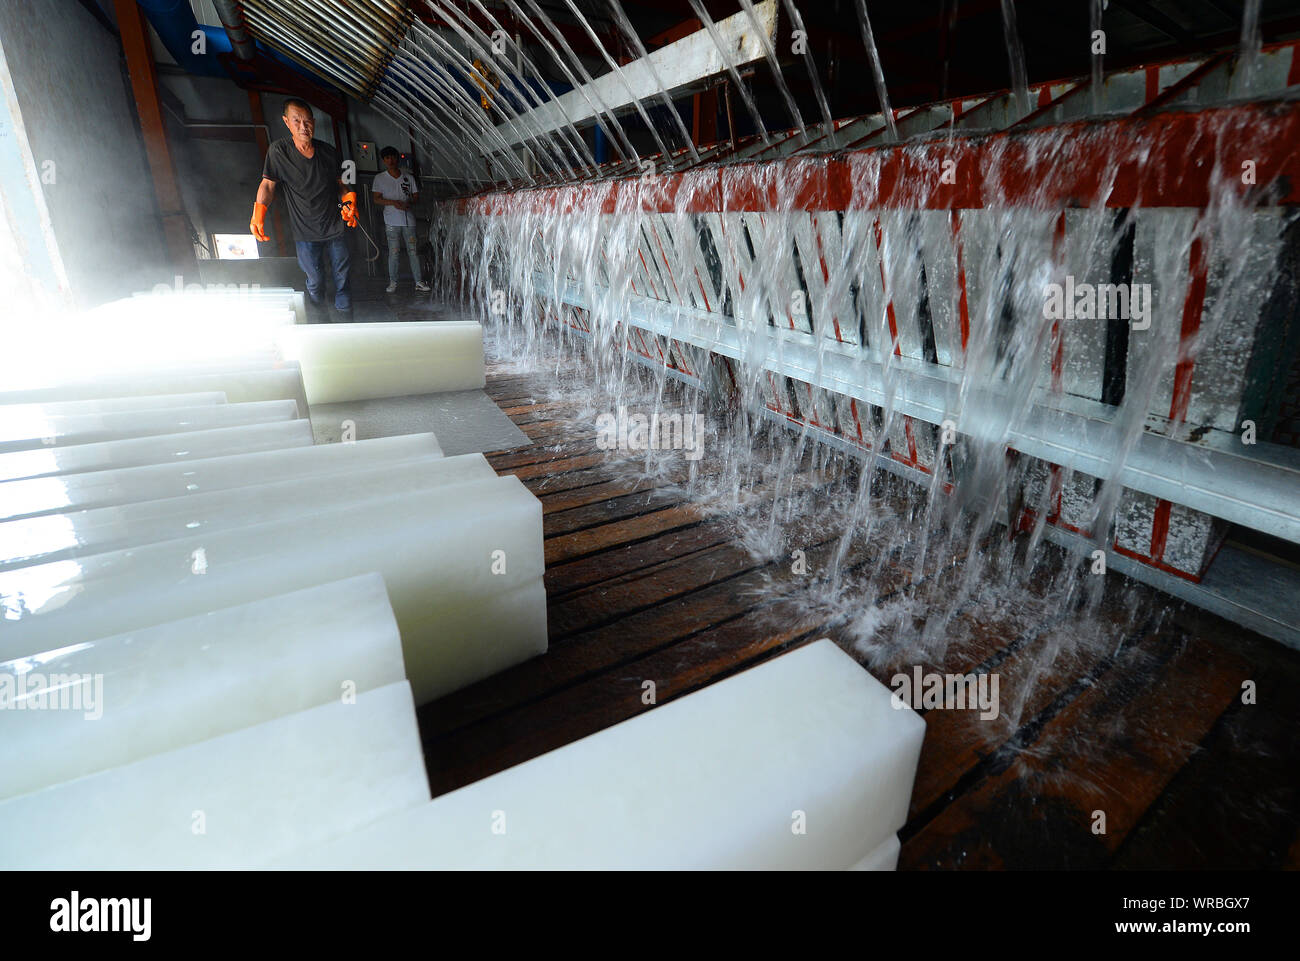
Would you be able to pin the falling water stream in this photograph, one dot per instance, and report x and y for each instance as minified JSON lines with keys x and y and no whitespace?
{"x":773,"y":63}
{"x":1016,"y":57}
{"x":1096,"y":48}
{"x":729,"y":61}
{"x":905,"y":569}
{"x":877,"y":70}
{"x":1245,"y":79}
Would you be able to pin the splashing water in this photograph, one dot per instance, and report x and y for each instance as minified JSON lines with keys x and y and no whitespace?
{"x":856,"y":324}
{"x":612,"y":260}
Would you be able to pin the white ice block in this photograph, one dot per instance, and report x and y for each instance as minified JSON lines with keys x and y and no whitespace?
{"x":185,"y":681}
{"x":883,"y":858}
{"x":163,"y":448}
{"x":39,"y":540}
{"x":244,"y":382}
{"x":714,"y":780}
{"x":475,"y":636}
{"x":257,"y":793}
{"x":74,"y":429}
{"x":139,"y":335}
{"x":464,"y":610}
{"x":73,"y":492}
{"x":359,"y":361}
{"x":11,"y":413}
{"x":285,"y":297}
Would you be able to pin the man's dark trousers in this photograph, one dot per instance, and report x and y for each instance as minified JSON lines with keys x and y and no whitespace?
{"x":311,"y":257}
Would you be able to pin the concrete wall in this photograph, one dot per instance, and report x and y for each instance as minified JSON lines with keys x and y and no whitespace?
{"x":218,"y":178}
{"x":76,"y":104}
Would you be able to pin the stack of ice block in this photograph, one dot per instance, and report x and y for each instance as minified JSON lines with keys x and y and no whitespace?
{"x":158,"y":449}
{"x":186,"y":681}
{"x":231,"y":296}
{"x":67,"y":430}
{"x":261,"y":379}
{"x":196,"y":619}
{"x":230,"y":801}
{"x":801,"y":763}
{"x":164,"y":490}
{"x":462,"y":561}
{"x":804,"y":762}
{"x":213,"y":633}
{"x":67,"y":493}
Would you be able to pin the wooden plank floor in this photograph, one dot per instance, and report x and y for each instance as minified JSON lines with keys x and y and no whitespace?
{"x":1143,"y":722}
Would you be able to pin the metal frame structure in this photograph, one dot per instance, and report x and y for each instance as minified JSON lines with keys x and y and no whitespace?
{"x":1156,"y":148}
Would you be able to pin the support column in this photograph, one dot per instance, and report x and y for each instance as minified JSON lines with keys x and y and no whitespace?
{"x":704,"y":117}
{"x":144,"y":85}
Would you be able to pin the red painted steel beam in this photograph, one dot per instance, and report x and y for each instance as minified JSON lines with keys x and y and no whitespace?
{"x":704,"y":105}
{"x":1167,"y":160}
{"x":144,"y":86}
{"x":675,"y":33}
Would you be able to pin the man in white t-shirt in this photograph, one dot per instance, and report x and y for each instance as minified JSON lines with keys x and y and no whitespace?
{"x":397,"y":192}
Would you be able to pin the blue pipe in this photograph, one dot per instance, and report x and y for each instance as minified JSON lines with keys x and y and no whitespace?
{"x":174,"y":22}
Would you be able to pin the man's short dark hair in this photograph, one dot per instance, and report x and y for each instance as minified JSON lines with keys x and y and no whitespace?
{"x":295,"y":102}
{"x":390,"y":152}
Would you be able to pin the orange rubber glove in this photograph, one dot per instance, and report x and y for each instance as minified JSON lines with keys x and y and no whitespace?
{"x":258,"y":224}
{"x":349,"y":210}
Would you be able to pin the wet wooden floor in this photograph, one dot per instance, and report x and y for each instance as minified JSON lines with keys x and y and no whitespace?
{"x":1145,"y":724}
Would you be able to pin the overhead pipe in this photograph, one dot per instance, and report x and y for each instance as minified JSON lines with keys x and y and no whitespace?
{"x":353,"y":44}
{"x":302,"y":51}
{"x":173,"y":21}
{"x":232,"y":19}
{"x":176,"y":26}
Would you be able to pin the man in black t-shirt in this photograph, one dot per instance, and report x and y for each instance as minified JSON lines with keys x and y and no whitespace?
{"x":315,"y":194}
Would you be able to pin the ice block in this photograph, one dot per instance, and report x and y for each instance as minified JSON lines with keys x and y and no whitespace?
{"x":234,"y":801}
{"x":72,"y":492}
{"x":163,"y":448}
{"x":284,"y":297}
{"x":463,"y":565}
{"x":883,"y":858}
{"x":38,"y":540}
{"x":75,"y":429}
{"x":270,"y":379}
{"x":141,"y":334}
{"x":189,"y":680}
{"x":359,"y":361}
{"x":11,"y":413}
{"x":800,"y":763}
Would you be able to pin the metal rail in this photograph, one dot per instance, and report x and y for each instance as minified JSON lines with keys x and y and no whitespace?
{"x":1260,"y":491}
